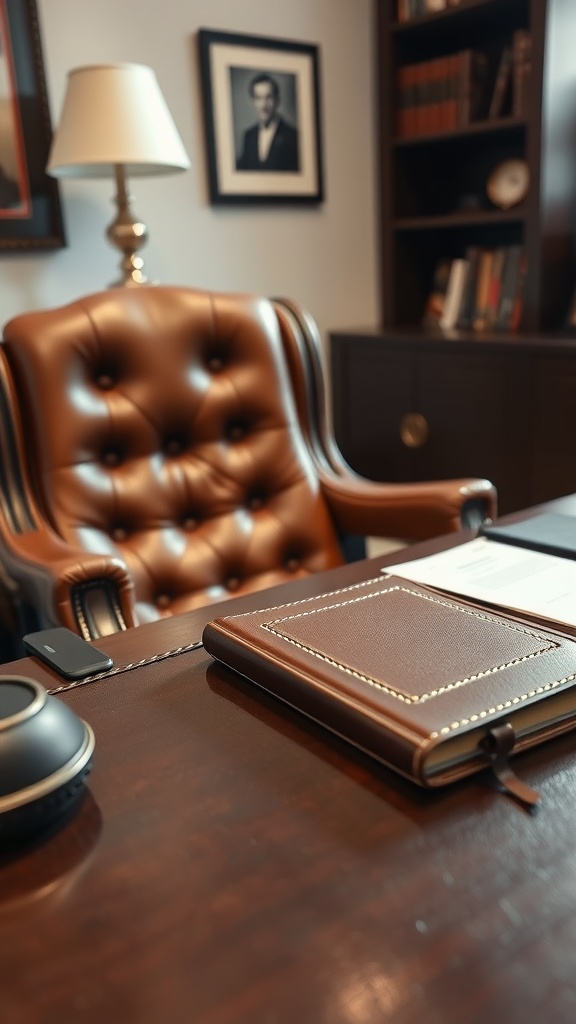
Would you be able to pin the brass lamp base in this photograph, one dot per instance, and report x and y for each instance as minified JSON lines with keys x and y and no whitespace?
{"x":128,"y":234}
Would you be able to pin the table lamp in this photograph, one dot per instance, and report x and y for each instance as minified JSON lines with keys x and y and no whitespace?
{"x":115,"y":122}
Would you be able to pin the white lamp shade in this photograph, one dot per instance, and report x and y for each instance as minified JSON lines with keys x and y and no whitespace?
{"x":115,"y":114}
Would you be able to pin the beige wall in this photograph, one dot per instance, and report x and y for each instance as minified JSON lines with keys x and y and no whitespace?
{"x":325,"y":256}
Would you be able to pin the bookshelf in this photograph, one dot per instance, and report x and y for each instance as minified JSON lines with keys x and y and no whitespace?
{"x":434,"y":204}
{"x":413,"y":401}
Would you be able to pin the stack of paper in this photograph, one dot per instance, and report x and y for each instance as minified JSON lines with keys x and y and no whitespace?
{"x":502,"y":574}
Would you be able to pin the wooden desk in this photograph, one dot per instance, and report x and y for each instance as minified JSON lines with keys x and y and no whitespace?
{"x":232,"y":863}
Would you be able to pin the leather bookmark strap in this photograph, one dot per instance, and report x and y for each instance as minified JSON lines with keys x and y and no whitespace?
{"x":499,"y":744}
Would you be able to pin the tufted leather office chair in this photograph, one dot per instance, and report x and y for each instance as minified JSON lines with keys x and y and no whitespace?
{"x":164,"y":448}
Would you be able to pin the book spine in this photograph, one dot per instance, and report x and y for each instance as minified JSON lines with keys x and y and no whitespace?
{"x":464,"y":87}
{"x":436,"y":75}
{"x":452,"y":102}
{"x":521,"y":47}
{"x":501,"y":84}
{"x":434,"y":307}
{"x":456,"y":284}
{"x":508,"y":289}
{"x":482,"y":75}
{"x":495,"y":287}
{"x":442,"y":92}
{"x":518,"y":301}
{"x":422,"y":98}
{"x":411,"y":111}
{"x":408,"y":100}
{"x":480,"y":319}
{"x":468,"y":306}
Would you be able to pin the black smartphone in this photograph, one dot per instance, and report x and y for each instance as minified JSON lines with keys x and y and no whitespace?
{"x":66,"y":652}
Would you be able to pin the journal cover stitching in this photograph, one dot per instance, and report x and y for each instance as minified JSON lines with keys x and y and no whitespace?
{"x":550,"y":645}
{"x":307,"y":600}
{"x":503,"y":706}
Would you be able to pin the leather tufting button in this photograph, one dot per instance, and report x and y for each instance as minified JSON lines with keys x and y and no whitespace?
{"x":292,"y":563}
{"x":162,"y":601}
{"x":255,"y":502}
{"x":174,"y":446}
{"x":111,"y":458}
{"x":189,"y":522}
{"x":232,"y":583}
{"x":236,"y":432}
{"x":119,"y":534}
{"x":105,"y":381}
{"x":215,"y":364}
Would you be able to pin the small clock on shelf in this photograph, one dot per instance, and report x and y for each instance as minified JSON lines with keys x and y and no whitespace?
{"x":508,"y":183}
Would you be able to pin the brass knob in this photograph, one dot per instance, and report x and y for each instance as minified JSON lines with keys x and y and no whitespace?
{"x":413,"y":430}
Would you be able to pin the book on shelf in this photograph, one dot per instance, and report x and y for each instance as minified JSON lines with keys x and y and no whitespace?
{"x":422,"y":98}
{"x":435,"y":302}
{"x":436,"y":110}
{"x":445,"y":93}
{"x":476,"y":74}
{"x":482,"y":303}
{"x":521,"y":68}
{"x":468,"y":305}
{"x":518,"y":300}
{"x":510,"y":274}
{"x":499,"y":102}
{"x":495,"y":287}
{"x":452,"y":304}
{"x":418,"y":98}
{"x":491,"y":297}
{"x":481,"y":291}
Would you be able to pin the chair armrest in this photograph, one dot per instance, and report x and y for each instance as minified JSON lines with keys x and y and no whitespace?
{"x":89,"y":593}
{"x":410,"y":511}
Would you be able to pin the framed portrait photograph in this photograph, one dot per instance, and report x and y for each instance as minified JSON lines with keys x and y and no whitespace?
{"x":262,"y":118}
{"x":30,"y":212}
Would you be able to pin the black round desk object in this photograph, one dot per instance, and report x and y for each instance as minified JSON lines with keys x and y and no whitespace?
{"x":45,"y":756}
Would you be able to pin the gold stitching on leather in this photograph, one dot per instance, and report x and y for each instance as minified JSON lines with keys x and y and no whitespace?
{"x":504,"y":706}
{"x":414,"y":699}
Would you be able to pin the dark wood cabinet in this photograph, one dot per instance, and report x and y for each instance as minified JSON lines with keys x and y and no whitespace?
{"x":409,"y":407}
{"x":553,"y":425}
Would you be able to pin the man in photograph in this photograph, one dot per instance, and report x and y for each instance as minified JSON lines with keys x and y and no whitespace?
{"x":272,"y":143}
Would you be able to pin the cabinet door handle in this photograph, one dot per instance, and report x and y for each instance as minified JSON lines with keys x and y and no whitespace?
{"x":413,"y":430}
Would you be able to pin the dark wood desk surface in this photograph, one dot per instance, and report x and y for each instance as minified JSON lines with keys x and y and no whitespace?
{"x":232,"y":863}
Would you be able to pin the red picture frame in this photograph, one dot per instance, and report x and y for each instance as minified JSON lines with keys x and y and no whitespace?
{"x":30,"y":211}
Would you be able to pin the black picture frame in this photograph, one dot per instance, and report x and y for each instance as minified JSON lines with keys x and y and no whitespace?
{"x":293,"y":170}
{"x":30,"y":210}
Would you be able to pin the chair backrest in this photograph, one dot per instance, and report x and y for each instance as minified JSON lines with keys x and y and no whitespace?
{"x":166,"y":426}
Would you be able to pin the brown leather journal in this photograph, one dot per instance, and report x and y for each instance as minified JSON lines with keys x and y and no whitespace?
{"x":435,"y":687}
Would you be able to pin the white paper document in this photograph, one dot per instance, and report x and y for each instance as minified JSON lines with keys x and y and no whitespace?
{"x":512,"y":577}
